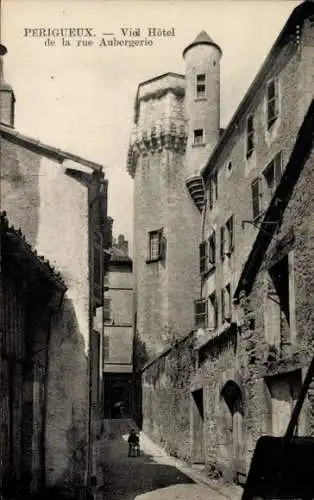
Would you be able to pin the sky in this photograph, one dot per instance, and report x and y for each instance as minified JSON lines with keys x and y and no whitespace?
{"x":81,"y":98}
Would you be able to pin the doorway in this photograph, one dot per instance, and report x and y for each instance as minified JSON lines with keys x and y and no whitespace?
{"x":198,"y":449}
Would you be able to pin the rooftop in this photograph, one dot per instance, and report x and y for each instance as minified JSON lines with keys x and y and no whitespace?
{"x":43,"y":149}
{"x":202,"y":39}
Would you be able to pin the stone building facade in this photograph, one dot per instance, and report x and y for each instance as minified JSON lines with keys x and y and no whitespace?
{"x":59,"y":200}
{"x":234,"y":188}
{"x":118,"y":332}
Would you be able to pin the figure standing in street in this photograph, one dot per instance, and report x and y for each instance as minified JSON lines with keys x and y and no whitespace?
{"x":134,"y":443}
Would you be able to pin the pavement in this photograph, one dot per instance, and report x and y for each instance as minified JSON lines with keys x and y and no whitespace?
{"x":154,"y":475}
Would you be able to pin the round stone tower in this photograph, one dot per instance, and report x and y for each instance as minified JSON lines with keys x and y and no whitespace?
{"x":202,"y":100}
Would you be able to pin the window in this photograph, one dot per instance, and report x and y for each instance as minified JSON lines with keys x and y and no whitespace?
{"x":203,"y":257}
{"x":230,"y":234}
{"x":212,"y":249}
{"x":226,"y":307}
{"x":213,"y":189}
{"x":201,"y":313}
{"x":249,"y":136}
{"x":157,"y":244}
{"x":106,"y":348}
{"x":256,"y":198}
{"x":272,"y":174}
{"x":200,"y":86}
{"x":198,"y":136}
{"x":272,"y":103}
{"x":213,"y":311}
{"x":222,"y":243}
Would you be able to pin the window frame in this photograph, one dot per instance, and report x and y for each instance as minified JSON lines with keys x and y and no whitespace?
{"x":160,"y":254}
{"x":212,"y":249}
{"x":274,"y":166}
{"x":272,"y":102}
{"x":250,"y":135}
{"x":203,"y":314}
{"x":200,"y":94}
{"x":196,"y":142}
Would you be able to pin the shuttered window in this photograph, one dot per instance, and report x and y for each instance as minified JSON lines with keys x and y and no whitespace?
{"x":249,"y":136}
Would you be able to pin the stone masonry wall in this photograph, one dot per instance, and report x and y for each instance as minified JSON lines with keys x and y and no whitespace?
{"x":166,"y":399}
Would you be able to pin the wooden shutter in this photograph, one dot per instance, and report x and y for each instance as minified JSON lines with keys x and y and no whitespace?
{"x":222,"y":242}
{"x":277,"y":168}
{"x":230,"y":227}
{"x":256,"y":198}
{"x":212,"y":248}
{"x":223,"y":305}
{"x":98,"y":269}
{"x":203,"y":257}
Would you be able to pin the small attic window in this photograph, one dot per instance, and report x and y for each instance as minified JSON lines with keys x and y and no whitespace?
{"x":198,"y":137}
{"x":200,"y":86}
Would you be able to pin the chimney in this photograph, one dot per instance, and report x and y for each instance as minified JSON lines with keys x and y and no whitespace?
{"x":7,"y":98}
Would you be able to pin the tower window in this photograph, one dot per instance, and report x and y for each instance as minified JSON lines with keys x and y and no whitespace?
{"x":272,"y":102}
{"x":200,"y":86}
{"x":156,"y":245}
{"x":198,"y":136}
{"x":249,"y":136}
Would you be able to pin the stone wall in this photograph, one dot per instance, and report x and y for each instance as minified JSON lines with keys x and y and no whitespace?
{"x":166,"y":399}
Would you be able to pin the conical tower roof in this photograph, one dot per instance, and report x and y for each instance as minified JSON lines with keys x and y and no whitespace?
{"x":202,"y":39}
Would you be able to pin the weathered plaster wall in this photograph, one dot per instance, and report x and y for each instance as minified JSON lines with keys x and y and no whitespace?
{"x":52,"y":211}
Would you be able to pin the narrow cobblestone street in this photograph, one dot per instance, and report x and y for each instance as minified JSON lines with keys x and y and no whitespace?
{"x":152,"y":476}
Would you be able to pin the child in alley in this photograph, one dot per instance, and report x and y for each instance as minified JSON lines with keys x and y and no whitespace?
{"x":134,"y":443}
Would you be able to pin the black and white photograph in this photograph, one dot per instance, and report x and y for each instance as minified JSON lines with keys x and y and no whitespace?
{"x":157,"y":249}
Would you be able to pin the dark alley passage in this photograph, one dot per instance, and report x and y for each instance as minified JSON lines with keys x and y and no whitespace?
{"x":148,"y":477}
